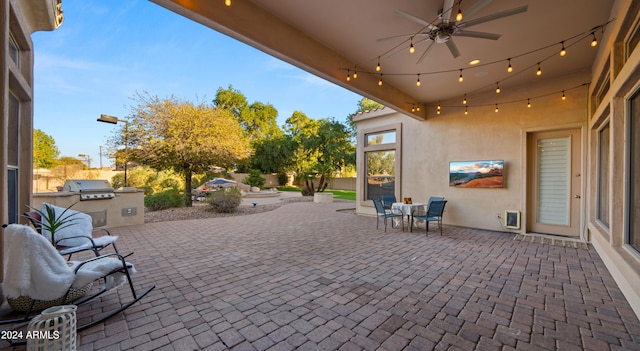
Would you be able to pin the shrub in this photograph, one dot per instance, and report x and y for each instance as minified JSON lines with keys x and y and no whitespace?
{"x":163,"y":200}
{"x":224,"y":200}
{"x":254,"y":179}
{"x":283,"y":179}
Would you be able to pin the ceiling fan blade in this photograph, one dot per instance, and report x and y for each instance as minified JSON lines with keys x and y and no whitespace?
{"x":453,"y":48}
{"x":447,"y":8}
{"x":415,"y":19}
{"x":403,"y":36}
{"x":424,"y":54}
{"x":495,"y":16}
{"x":477,"y":7}
{"x":480,"y":35}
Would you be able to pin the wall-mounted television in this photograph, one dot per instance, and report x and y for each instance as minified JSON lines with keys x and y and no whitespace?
{"x":476,"y":174}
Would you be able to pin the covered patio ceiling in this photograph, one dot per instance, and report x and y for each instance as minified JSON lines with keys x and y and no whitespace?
{"x":334,"y":39}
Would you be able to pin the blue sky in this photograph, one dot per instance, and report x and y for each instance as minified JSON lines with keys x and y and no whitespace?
{"x":105,"y":51}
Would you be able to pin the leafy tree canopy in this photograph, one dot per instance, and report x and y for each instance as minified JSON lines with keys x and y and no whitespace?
{"x":45,"y":151}
{"x":184,"y":136}
{"x":367,"y":104}
{"x":323,"y":148}
{"x":258,"y":120}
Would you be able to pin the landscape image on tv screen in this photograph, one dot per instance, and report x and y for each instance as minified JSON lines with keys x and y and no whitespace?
{"x":476,"y":174}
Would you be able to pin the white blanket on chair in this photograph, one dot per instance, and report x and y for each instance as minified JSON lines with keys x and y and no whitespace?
{"x":32,"y":266}
{"x":97,"y":269}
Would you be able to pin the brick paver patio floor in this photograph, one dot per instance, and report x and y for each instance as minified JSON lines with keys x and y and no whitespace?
{"x":307,"y":276}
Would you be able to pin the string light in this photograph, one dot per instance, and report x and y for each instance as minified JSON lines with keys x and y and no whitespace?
{"x":378,"y":68}
{"x":460,"y":79}
{"x":418,"y":81}
{"x":497,"y":108}
{"x":227,"y":2}
{"x":497,"y":88}
{"x":594,"y":42}
{"x":438,"y":109}
{"x":464,"y":101}
{"x":564,"y":97}
{"x":466,"y":111}
{"x":539,"y":71}
{"x":459,"y":15}
{"x":418,"y":108}
{"x":412,"y":48}
{"x":355,"y":74}
{"x":563,"y":51}
{"x":509,"y":68}
{"x":380,"y":81}
{"x":528,"y":103}
{"x":348,"y":76}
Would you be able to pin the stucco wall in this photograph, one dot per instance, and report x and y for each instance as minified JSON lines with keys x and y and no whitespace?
{"x":428,"y":147}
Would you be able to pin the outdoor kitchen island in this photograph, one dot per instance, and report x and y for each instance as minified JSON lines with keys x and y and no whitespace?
{"x":107,"y":207}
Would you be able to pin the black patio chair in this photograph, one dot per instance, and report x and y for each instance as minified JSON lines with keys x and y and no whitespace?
{"x":381,"y":212}
{"x":84,"y":242}
{"x":434,"y":212}
{"x":387,"y":201}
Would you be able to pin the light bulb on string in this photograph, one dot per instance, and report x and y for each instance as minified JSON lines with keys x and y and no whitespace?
{"x":355,"y":74}
{"x":227,"y":2}
{"x":497,"y":88}
{"x":528,"y":103}
{"x":380,"y":81}
{"x":497,"y":108}
{"x":418,"y":81}
{"x":509,"y":68}
{"x":418,"y":108}
{"x":594,"y":42}
{"x":564,"y":97}
{"x":459,"y":14}
{"x":413,"y":108}
{"x":460,"y":79}
{"x":348,"y":76}
{"x":464,"y":101}
{"x":563,"y":51}
{"x":539,"y":71}
{"x":412,"y":48}
{"x":438,"y":109}
{"x":378,"y":68}
{"x":466,"y":110}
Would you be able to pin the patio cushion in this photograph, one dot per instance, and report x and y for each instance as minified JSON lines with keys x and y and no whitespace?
{"x":81,"y":226}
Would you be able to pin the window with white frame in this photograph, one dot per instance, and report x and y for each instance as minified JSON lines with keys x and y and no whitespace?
{"x":603,"y":175}
{"x":633,"y":179}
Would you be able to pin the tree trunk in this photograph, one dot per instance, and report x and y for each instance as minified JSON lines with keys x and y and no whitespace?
{"x":187,"y":189}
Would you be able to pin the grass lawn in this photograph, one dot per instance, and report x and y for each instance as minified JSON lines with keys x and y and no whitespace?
{"x":337,"y":194}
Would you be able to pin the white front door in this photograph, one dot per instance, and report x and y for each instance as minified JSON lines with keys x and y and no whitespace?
{"x":554,"y":176}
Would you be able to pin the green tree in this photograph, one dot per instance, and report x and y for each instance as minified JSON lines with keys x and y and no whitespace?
{"x":324,"y":148}
{"x":45,"y":151}
{"x":184,"y":137}
{"x":365,"y":104}
{"x":274,"y":154}
{"x":258,"y":120}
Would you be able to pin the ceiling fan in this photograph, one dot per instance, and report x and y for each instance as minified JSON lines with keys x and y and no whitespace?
{"x":446,"y":28}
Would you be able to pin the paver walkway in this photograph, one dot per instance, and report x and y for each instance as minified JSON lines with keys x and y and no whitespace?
{"x":308,"y":277}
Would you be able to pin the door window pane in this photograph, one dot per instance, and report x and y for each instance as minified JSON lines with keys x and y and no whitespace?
{"x":381,"y":174}
{"x":553,"y":179}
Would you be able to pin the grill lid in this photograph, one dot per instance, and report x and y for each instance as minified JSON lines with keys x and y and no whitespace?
{"x":90,"y":189}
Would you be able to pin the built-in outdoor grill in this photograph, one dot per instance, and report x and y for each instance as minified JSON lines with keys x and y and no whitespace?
{"x":90,"y":189}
